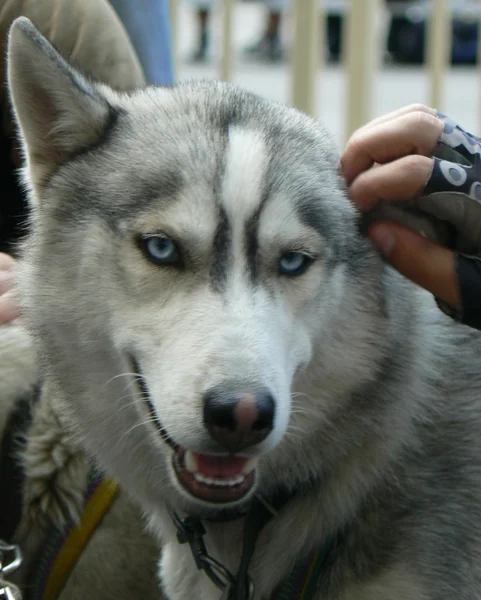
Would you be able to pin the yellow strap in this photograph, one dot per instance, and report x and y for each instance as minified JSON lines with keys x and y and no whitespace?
{"x":79,"y":537}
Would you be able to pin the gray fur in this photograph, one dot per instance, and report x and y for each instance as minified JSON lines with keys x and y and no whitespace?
{"x":377,"y":392}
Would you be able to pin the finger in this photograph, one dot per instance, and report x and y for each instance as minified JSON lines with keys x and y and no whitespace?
{"x":411,"y":108}
{"x":7,"y":279}
{"x":402,"y":179}
{"x":8,"y":309}
{"x":417,"y":258}
{"x":7,"y":263}
{"x":412,"y":133}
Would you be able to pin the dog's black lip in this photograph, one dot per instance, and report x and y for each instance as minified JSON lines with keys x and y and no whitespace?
{"x":144,"y":390}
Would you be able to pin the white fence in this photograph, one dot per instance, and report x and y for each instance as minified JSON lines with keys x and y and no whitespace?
{"x":361,"y":52}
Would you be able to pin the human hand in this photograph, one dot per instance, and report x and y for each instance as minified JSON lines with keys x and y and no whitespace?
{"x":8,"y":307}
{"x":418,"y":165}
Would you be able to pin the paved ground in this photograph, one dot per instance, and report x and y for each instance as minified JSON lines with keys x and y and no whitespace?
{"x":395,"y":86}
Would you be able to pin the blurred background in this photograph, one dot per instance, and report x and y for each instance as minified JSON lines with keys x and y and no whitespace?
{"x":363,"y":58}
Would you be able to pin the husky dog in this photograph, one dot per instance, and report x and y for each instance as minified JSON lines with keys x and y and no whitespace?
{"x":215,"y":330}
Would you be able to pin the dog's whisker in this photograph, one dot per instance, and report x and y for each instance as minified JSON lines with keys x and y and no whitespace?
{"x":132,"y":375}
{"x":299,"y":411}
{"x":291,"y":427}
{"x":134,"y":401}
{"x":142,"y":423}
{"x":300,"y":395}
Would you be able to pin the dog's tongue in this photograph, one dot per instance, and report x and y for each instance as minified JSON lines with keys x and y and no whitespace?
{"x":219,"y":466}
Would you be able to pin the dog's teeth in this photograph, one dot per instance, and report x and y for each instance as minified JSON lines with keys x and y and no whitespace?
{"x":190,"y":463}
{"x":201,"y":479}
{"x":198,"y":477}
{"x":222,"y":482}
{"x":219,"y":482}
{"x":250,"y":465}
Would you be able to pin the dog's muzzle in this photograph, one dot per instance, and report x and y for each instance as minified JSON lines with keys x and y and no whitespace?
{"x":236,"y":421}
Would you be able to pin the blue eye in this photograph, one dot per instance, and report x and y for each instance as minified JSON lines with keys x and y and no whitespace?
{"x":161,"y":250}
{"x":294,"y":263}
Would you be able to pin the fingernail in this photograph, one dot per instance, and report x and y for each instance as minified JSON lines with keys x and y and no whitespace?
{"x":383,"y":238}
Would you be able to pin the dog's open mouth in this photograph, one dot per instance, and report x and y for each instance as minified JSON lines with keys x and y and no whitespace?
{"x":214,"y":478}
{"x":219,"y":478}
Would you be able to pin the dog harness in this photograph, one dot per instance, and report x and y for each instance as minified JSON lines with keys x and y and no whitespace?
{"x":301,"y":584}
{"x":64,"y":546}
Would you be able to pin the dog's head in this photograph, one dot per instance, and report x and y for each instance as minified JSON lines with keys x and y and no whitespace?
{"x":194,"y":276}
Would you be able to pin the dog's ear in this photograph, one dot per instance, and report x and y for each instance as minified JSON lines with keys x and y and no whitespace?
{"x":59,"y":113}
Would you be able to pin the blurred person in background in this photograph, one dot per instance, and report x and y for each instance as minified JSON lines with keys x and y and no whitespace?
{"x":203,"y":8}
{"x":269,"y":46}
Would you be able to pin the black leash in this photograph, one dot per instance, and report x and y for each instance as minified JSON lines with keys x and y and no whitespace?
{"x":240,"y":587}
{"x":257,"y":518}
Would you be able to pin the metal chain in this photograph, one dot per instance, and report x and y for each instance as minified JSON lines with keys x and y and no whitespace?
{"x":10,"y":561}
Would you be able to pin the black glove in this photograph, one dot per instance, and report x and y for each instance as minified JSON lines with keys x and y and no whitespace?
{"x":449,"y":213}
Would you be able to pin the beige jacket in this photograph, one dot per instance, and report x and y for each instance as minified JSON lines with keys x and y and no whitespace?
{"x":87,"y":32}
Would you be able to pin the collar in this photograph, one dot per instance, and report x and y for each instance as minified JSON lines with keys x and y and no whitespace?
{"x":301,"y":584}
{"x":191,"y":530}
{"x":64,"y":546}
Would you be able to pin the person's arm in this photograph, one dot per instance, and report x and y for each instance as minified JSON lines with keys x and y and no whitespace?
{"x":416,"y":169}
{"x":147,"y":23}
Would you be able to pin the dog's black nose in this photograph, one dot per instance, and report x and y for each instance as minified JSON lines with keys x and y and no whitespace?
{"x":240,"y":419}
